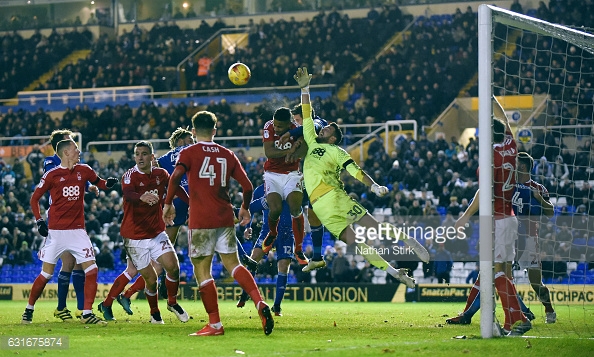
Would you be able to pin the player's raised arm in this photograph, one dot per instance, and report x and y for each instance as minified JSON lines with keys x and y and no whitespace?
{"x":470,"y":211}
{"x":499,"y":113}
{"x":303,"y":78}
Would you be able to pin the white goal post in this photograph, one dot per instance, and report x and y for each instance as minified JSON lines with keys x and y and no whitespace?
{"x":488,"y":17}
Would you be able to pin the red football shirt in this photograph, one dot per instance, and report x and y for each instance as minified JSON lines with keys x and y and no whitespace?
{"x":278,"y":164}
{"x":208,"y":168}
{"x":141,"y":220}
{"x":67,"y":189}
{"x":504,"y":176}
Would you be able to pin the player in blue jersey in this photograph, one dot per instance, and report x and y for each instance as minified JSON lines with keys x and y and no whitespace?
{"x":179,"y":139}
{"x":284,"y":246}
{"x":530,"y":202}
{"x":317,"y":229}
{"x":69,"y":267}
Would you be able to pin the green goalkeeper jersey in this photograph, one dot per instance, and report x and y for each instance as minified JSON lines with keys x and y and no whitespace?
{"x":324,"y":162}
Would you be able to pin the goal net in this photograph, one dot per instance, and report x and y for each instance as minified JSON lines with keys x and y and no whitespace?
{"x":543,"y":76}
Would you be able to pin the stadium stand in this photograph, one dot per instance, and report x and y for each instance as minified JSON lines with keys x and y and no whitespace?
{"x":430,"y":179}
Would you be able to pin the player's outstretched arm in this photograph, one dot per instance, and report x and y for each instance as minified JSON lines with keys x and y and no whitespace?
{"x":273,"y":152}
{"x":547,"y":207}
{"x":105,"y":184}
{"x":470,"y":211}
{"x":499,"y":113}
{"x":303,"y":79}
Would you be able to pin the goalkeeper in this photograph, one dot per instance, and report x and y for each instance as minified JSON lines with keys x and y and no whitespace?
{"x":336,"y":210}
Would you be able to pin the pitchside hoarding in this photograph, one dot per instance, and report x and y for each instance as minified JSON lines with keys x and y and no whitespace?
{"x":562,"y":294}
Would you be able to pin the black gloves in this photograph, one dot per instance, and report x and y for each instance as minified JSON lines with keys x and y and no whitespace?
{"x":111,"y":181}
{"x":42,"y":227}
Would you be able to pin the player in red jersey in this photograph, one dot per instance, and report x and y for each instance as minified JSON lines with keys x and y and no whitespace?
{"x":282,"y":181}
{"x":209,"y":167}
{"x":506,"y":226}
{"x":66,"y":232}
{"x":145,"y":240}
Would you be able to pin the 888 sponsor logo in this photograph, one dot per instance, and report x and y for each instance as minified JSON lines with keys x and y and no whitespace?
{"x":71,"y":192}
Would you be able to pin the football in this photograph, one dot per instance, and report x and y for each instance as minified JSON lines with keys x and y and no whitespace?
{"x":239,"y":74}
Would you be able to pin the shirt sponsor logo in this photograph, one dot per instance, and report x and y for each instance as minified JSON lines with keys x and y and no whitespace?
{"x":318,"y":152}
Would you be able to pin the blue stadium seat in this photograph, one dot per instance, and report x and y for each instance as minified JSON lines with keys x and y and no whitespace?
{"x":582,"y":267}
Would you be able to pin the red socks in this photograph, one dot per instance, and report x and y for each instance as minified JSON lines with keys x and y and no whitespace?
{"x":247,"y":283}
{"x":298,"y":232}
{"x":138,"y":285}
{"x":509,"y":299}
{"x":37,"y":288}
{"x":118,"y":286}
{"x":90,"y":286}
{"x":172,"y":287}
{"x":152,"y":297}
{"x":210,"y":300}
{"x":473,"y":293}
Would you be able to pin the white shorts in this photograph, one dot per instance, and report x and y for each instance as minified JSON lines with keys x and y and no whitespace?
{"x":205,"y":242}
{"x":506,"y":234}
{"x":530,"y":257}
{"x":142,"y":251}
{"x":75,"y":241}
{"x":283,"y":184}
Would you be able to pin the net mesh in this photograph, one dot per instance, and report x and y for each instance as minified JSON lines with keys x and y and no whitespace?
{"x":544,"y":76}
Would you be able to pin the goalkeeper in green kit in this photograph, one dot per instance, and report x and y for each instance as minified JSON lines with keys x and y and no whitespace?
{"x":337,"y":211}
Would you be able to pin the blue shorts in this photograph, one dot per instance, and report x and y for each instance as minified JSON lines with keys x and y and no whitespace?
{"x":283,"y":244}
{"x":181,"y":212}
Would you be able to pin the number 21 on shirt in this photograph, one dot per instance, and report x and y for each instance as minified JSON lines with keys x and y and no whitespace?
{"x":208,"y":171}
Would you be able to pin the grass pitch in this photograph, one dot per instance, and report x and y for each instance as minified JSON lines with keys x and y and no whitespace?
{"x":307,"y":328}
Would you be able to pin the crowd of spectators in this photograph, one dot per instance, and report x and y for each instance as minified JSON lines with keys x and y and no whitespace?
{"x":418,"y":77}
{"x":141,"y":57}
{"x":23,"y":60}
{"x":442,"y":172}
{"x":443,"y":190}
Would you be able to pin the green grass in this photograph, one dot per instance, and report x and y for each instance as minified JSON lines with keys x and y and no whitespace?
{"x":317,"y":329}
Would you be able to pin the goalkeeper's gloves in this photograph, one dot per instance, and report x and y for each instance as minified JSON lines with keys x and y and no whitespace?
{"x":379,"y":191}
{"x":42,"y":227}
{"x":111,"y":181}
{"x":302,"y":77}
